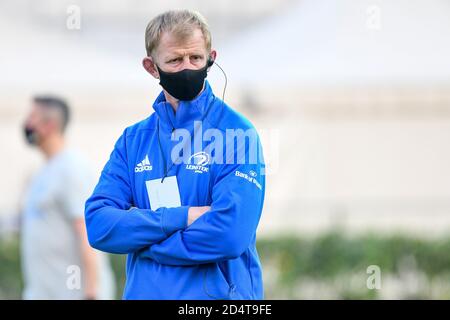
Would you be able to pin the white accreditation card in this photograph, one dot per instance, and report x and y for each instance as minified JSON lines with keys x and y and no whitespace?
{"x":165,"y":194}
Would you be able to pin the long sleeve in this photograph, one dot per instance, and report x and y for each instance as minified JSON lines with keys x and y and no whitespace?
{"x":225,"y":231}
{"x":112,"y":224}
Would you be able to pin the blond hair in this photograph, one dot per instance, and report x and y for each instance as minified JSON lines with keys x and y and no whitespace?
{"x":180,"y":23}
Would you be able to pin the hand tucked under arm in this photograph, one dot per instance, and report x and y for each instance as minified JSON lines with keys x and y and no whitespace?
{"x":196,"y":212}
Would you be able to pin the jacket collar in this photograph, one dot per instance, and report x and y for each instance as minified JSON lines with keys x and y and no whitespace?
{"x":187,"y":112}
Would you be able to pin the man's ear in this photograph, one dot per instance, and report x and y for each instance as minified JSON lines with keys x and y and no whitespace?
{"x":212,"y":56}
{"x":150,"y":66}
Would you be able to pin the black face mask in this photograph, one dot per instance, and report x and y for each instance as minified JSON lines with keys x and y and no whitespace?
{"x":30,"y":136}
{"x":186,"y":84}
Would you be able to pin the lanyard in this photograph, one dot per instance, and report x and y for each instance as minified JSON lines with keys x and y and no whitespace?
{"x":166,"y":170}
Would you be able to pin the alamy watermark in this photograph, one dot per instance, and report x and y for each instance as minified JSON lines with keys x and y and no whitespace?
{"x":73,"y":21}
{"x":202,"y":148}
{"x":374,"y":278}
{"x":373,"y":18}
{"x":73,"y":281}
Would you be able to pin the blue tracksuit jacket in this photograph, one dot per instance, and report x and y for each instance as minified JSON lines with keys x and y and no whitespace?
{"x":213,"y":258}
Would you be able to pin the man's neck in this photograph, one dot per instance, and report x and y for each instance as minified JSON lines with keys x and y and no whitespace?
{"x":173,"y":102}
{"x":52,"y":146}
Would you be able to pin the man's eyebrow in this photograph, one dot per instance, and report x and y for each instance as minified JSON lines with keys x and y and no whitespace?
{"x":171,"y":57}
{"x":175,"y":55}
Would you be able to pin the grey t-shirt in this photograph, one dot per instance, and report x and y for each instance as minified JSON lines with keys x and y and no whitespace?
{"x":51,"y":257}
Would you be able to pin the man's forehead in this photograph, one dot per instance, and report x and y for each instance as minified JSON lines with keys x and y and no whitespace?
{"x":171,"y":43}
{"x":37,"y":111}
{"x":43,"y":110}
{"x":36,"y":108}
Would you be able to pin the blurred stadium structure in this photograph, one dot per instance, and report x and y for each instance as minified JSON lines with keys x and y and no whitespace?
{"x":352,"y":98}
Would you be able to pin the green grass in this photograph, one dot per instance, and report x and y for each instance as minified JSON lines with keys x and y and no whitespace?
{"x":330,"y":259}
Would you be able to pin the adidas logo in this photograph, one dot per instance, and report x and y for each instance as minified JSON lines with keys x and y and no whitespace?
{"x":144,"y":165}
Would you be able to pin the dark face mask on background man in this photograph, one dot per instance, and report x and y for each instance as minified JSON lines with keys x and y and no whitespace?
{"x":186,"y":84}
{"x":30,"y":135}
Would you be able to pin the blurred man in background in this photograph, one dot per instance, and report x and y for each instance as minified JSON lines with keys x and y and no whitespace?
{"x":57,"y":261}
